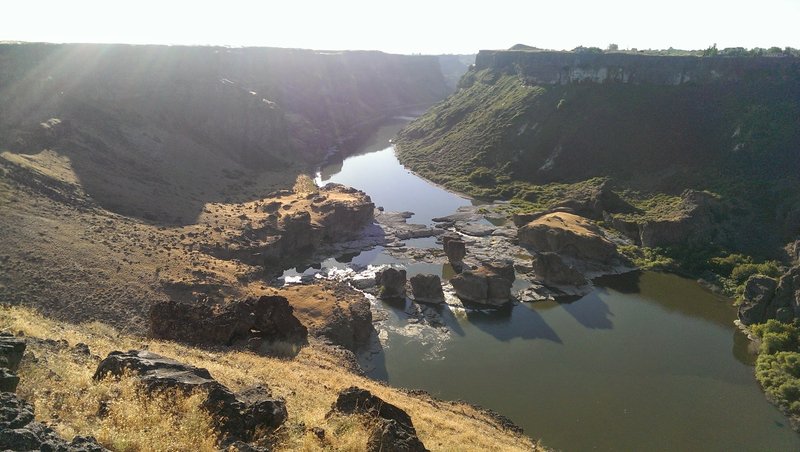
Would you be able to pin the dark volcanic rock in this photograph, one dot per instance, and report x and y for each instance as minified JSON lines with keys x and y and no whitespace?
{"x":395,"y":431}
{"x":350,"y":328}
{"x":389,"y":436}
{"x":392,"y":282}
{"x":19,"y":431}
{"x":595,"y":202}
{"x":471,"y":286}
{"x":758,"y":293}
{"x":504,"y":268}
{"x":11,"y":351}
{"x":551,"y":270}
{"x":240,"y":416}
{"x":427,"y":289}
{"x":8,"y":380}
{"x":484,"y":285}
{"x":268,"y":317}
{"x":454,"y":247}
{"x":786,"y":304}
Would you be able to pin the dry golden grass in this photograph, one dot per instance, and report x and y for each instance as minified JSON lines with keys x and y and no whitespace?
{"x":59,"y":384}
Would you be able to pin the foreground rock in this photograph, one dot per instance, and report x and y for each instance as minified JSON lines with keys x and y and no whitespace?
{"x":395,"y":430}
{"x":19,"y":431}
{"x":427,"y":289}
{"x":268,"y":318}
{"x":392,"y":283}
{"x":11,"y":350}
{"x":568,"y":234}
{"x":243,"y":416}
{"x":333,"y":312}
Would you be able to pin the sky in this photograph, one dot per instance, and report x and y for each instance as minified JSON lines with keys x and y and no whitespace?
{"x":408,"y":26}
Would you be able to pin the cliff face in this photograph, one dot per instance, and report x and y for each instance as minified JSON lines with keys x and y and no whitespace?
{"x":155,"y":131}
{"x":537,"y":67}
{"x":562,"y":117}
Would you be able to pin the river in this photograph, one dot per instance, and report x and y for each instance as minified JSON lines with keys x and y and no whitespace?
{"x":647,"y":361}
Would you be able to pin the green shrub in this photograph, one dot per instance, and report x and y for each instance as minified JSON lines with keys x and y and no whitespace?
{"x":778,"y":364}
{"x":482,"y":176}
{"x":741,"y":272}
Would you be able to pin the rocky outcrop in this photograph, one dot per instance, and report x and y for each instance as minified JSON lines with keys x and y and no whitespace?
{"x":394,"y":431}
{"x":392,"y":283}
{"x":427,"y":289}
{"x":551,"y":270}
{"x":793,"y":250}
{"x":785,"y":306}
{"x":486,"y":285}
{"x":11,"y":350}
{"x":568,"y":234}
{"x":342,"y":218}
{"x":332,"y":311}
{"x":765,"y":298}
{"x":595,"y":202}
{"x":19,"y":430}
{"x":693,"y":221}
{"x":268,"y":318}
{"x":238,"y":417}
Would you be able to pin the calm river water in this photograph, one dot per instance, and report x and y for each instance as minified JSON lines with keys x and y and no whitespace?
{"x":647,"y":361}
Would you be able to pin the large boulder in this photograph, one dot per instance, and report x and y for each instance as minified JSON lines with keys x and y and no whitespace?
{"x":19,"y":430}
{"x":502,"y":267}
{"x":454,"y":248}
{"x":486,"y":285}
{"x":471,"y":286}
{"x":394,"y":431}
{"x":427,"y":289}
{"x":268,"y":318}
{"x":391,"y":436}
{"x":551,"y":270}
{"x":242,"y":416}
{"x":392,"y":283}
{"x":568,"y":234}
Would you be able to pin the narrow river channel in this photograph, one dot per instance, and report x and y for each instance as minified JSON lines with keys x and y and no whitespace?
{"x":647,"y":361}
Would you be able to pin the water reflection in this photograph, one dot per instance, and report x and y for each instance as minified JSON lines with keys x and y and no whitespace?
{"x":510,"y":322}
{"x":590,"y":311}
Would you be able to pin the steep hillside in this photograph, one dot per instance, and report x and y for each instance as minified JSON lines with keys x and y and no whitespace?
{"x":154,"y":132}
{"x":544,"y":128}
{"x":135,"y":174}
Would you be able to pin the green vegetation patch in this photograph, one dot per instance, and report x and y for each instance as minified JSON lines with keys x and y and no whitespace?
{"x":778,"y":364}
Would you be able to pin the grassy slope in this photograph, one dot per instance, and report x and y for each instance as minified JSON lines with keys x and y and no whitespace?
{"x":58,"y":382}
